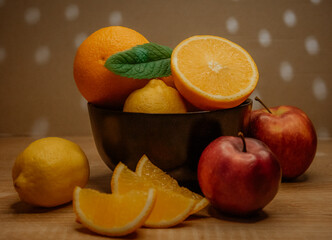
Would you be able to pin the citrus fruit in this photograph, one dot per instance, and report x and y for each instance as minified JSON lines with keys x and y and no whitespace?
{"x":171,"y":208}
{"x":212,"y":72}
{"x":96,"y":83}
{"x":168,"y":80}
{"x":113,"y":214}
{"x":155,"y":97}
{"x":47,"y":171}
{"x":151,"y":173}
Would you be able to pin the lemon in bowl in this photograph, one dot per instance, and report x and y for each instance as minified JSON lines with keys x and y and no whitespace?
{"x":155,"y":97}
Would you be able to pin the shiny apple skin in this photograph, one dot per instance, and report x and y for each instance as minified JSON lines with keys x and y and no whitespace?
{"x":290,"y":135}
{"x":237,"y":182}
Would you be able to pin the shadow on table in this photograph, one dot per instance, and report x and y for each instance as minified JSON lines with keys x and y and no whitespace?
{"x":101,"y":182}
{"x":84,"y":230}
{"x":22,"y":207}
{"x":253,"y":218}
{"x":303,"y":178}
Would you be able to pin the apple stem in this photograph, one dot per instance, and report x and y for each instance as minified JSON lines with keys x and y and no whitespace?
{"x":261,"y":102}
{"x":240,"y":134}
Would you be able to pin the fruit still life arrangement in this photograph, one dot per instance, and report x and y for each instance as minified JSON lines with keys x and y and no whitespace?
{"x":147,"y":197}
{"x":113,"y":66}
{"x":118,"y":69}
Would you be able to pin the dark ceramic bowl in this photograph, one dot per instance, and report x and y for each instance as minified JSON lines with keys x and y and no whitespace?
{"x":173,"y":142}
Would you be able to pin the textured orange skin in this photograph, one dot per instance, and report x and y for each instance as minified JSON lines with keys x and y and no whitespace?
{"x":290,"y":134}
{"x":168,"y":80}
{"x":96,"y":83}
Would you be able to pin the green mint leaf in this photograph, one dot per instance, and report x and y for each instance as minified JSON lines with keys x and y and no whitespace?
{"x":145,"y":61}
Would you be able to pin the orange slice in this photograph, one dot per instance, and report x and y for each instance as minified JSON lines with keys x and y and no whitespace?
{"x":113,"y":214}
{"x":212,"y":72}
{"x":171,"y":208}
{"x":151,"y":173}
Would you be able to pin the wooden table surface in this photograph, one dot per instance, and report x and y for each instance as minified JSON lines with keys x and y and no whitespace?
{"x":301,"y":209}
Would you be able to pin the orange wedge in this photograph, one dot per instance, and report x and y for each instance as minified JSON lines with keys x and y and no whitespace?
{"x":151,"y":173}
{"x":212,"y":72}
{"x":171,"y":208}
{"x":113,"y":214}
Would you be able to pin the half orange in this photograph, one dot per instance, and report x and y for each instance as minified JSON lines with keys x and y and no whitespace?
{"x":113,"y":214}
{"x":212,"y":72}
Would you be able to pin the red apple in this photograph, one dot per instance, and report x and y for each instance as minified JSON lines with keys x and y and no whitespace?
{"x":290,"y":135}
{"x":237,"y":176}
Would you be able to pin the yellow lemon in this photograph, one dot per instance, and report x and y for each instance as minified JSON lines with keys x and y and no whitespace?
{"x":47,"y":171}
{"x":155,"y":97}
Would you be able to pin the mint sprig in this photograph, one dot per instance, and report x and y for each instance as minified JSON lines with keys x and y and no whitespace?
{"x":145,"y":61}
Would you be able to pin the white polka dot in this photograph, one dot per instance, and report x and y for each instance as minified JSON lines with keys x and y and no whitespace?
{"x":32,"y":15}
{"x":286,"y":71}
{"x":83,"y":104}
{"x":319,"y":88}
{"x":72,"y":12}
{"x":323,"y":132}
{"x":289,"y":18}
{"x":232,"y":25}
{"x":40,"y":127}
{"x":2,"y":3}
{"x":79,"y":39}
{"x":312,"y":45}
{"x":115,"y":18}
{"x":264,"y":37}
{"x":315,"y":1}
{"x":320,"y":154}
{"x":42,"y":55}
{"x":3,"y":54}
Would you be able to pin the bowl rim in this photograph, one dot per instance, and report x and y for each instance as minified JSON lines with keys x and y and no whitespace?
{"x":245,"y":103}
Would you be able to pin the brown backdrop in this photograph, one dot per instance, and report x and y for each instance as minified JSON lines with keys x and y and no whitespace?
{"x":289,"y":40}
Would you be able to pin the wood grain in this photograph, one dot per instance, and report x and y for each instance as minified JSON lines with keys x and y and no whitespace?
{"x":301,"y":209}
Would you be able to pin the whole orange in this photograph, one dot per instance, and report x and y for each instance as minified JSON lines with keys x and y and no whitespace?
{"x":96,"y":83}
